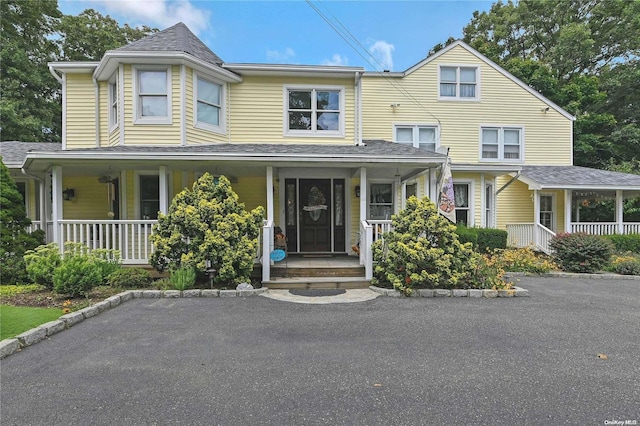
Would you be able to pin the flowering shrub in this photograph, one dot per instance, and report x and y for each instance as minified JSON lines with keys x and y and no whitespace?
{"x":626,"y":264}
{"x":523,"y":260}
{"x":208,"y":227}
{"x":423,"y":251}
{"x":77,"y":275}
{"x":41,"y":262}
{"x":486,"y":272}
{"x":581,"y":252}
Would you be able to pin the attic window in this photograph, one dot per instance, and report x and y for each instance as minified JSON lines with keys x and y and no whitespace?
{"x":153,"y":96}
{"x":459,"y":82}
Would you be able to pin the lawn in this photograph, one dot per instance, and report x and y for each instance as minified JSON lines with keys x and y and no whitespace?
{"x":16,"y":319}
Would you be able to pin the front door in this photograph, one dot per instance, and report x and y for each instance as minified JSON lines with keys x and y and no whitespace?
{"x":315,"y":215}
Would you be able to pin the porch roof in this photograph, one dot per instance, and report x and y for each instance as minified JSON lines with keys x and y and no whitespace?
{"x":14,"y":152}
{"x":575,"y":177}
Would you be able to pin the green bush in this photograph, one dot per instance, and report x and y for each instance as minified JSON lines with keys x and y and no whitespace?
{"x":624,"y":243}
{"x":41,"y":262}
{"x":76,"y":276}
{"x":483,"y":239}
{"x":423,"y":251}
{"x":628,"y":267}
{"x":129,"y":278}
{"x":108,"y":260}
{"x":183,"y":278}
{"x":208,"y":227}
{"x":581,"y":252}
{"x":523,"y":260}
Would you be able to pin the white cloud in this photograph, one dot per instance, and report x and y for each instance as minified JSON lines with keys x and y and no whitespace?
{"x":382,"y":52}
{"x":280,"y":56}
{"x":336,"y":59}
{"x":157,"y":13}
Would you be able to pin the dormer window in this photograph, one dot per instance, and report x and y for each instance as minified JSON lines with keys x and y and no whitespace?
{"x":153,"y":95}
{"x":209,"y":104}
{"x":314,"y":111}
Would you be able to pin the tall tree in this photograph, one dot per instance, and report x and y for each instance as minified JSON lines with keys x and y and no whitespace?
{"x":29,"y":95}
{"x":89,"y":35}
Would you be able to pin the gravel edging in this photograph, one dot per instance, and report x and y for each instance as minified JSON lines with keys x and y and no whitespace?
{"x":44,"y":331}
{"x":423,"y":292}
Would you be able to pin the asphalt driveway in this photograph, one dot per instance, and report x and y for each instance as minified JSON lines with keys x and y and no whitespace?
{"x":382,"y":362}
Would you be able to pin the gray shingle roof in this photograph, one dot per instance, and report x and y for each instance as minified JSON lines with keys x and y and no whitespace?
{"x":372,"y":148}
{"x":177,"y":38}
{"x":568,"y":176}
{"x":14,"y":152}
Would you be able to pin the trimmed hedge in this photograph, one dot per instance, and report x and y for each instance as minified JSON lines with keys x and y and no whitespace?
{"x":624,"y":243}
{"x":483,"y":239}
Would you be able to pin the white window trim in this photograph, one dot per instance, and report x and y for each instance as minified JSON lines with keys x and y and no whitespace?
{"x":553,"y":208}
{"x":136,"y":190}
{"x":223,"y":96}
{"x":394,"y":195}
{"x":457,"y":98}
{"x":472,"y":199}
{"x":114,"y":119}
{"x":313,"y":132}
{"x":137,"y":114}
{"x":416,"y":126}
{"x":492,"y":210}
{"x":501,"y":128}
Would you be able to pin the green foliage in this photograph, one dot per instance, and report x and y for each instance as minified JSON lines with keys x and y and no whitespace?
{"x":627,"y":265}
{"x":208,"y":227}
{"x":580,"y":252}
{"x":523,"y":260}
{"x":483,"y":239}
{"x":12,"y":289}
{"x":183,"y":278}
{"x":627,"y":242}
{"x":423,"y":251}
{"x":76,"y":275}
{"x":129,"y":278}
{"x":108,"y":260}
{"x":14,"y":238}
{"x":41,"y":262}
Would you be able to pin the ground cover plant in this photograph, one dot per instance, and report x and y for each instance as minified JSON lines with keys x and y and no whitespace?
{"x":424,"y":251}
{"x":17,"y":319}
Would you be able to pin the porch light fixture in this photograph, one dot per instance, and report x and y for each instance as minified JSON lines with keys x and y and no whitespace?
{"x":68,"y":194}
{"x":358,"y":191}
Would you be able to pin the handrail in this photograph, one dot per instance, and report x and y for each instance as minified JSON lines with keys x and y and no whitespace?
{"x":267,"y":246}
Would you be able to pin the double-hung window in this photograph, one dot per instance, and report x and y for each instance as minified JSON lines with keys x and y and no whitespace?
{"x":380,"y":201}
{"x":419,"y":136}
{"x":502,"y":143}
{"x":462,"y":196}
{"x":459,"y":82}
{"x":153,"y":95}
{"x":149,"y":196}
{"x":113,"y":102}
{"x":314,"y":111}
{"x":209,"y":104}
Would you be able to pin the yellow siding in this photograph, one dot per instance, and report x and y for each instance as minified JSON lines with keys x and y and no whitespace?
{"x":503,"y":102}
{"x":514,"y":204}
{"x":90,"y":201}
{"x":81,"y":107}
{"x":257,"y":110}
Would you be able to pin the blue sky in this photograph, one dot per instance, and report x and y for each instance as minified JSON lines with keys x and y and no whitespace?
{"x":397,"y":34}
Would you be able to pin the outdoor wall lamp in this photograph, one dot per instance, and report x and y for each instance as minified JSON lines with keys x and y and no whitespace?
{"x":68,"y":194}
{"x":358,"y":191}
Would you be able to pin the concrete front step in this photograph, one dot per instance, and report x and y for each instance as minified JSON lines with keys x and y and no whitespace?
{"x":354,"y":271}
{"x":317,"y":283}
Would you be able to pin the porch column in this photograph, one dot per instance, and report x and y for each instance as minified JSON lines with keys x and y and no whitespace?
{"x":619,"y":211}
{"x":403,"y":194}
{"x":433,"y":185}
{"x":164,"y":190}
{"x":536,"y":216}
{"x":42,"y":188}
{"x":363,"y":194}
{"x":270,"y":194}
{"x":56,"y":209}
{"x":399,"y":187}
{"x":567,"y":210}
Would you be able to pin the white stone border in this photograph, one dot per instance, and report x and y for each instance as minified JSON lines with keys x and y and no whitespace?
{"x":423,"y":292}
{"x":44,"y":331}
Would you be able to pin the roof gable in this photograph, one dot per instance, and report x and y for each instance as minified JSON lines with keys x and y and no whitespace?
{"x":177,"y":38}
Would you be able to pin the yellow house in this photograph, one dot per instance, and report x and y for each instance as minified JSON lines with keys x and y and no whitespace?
{"x":330,"y":152}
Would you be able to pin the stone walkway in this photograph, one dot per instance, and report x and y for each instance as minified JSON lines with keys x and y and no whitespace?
{"x":349,"y":296}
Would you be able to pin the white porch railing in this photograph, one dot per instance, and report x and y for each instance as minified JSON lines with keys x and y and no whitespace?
{"x":267,"y":247}
{"x":370,"y":231}
{"x":606,"y":228}
{"x":529,"y":235}
{"x":130,"y":237}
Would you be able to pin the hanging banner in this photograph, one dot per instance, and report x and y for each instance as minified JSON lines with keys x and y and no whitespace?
{"x":446,"y":197}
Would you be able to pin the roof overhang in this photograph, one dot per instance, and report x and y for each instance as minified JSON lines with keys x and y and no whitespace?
{"x":488,"y":169}
{"x":534,"y":185}
{"x":112,"y":59}
{"x":294,"y":70}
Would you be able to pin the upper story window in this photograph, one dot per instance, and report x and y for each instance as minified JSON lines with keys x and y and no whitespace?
{"x":209,"y":104}
{"x":419,"y":136}
{"x":502,"y":143}
{"x":459,"y":82}
{"x":315,"y":111}
{"x":113,"y":102}
{"x":153,"y":95}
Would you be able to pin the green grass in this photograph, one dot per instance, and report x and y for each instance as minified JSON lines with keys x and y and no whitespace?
{"x":16,"y":319}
